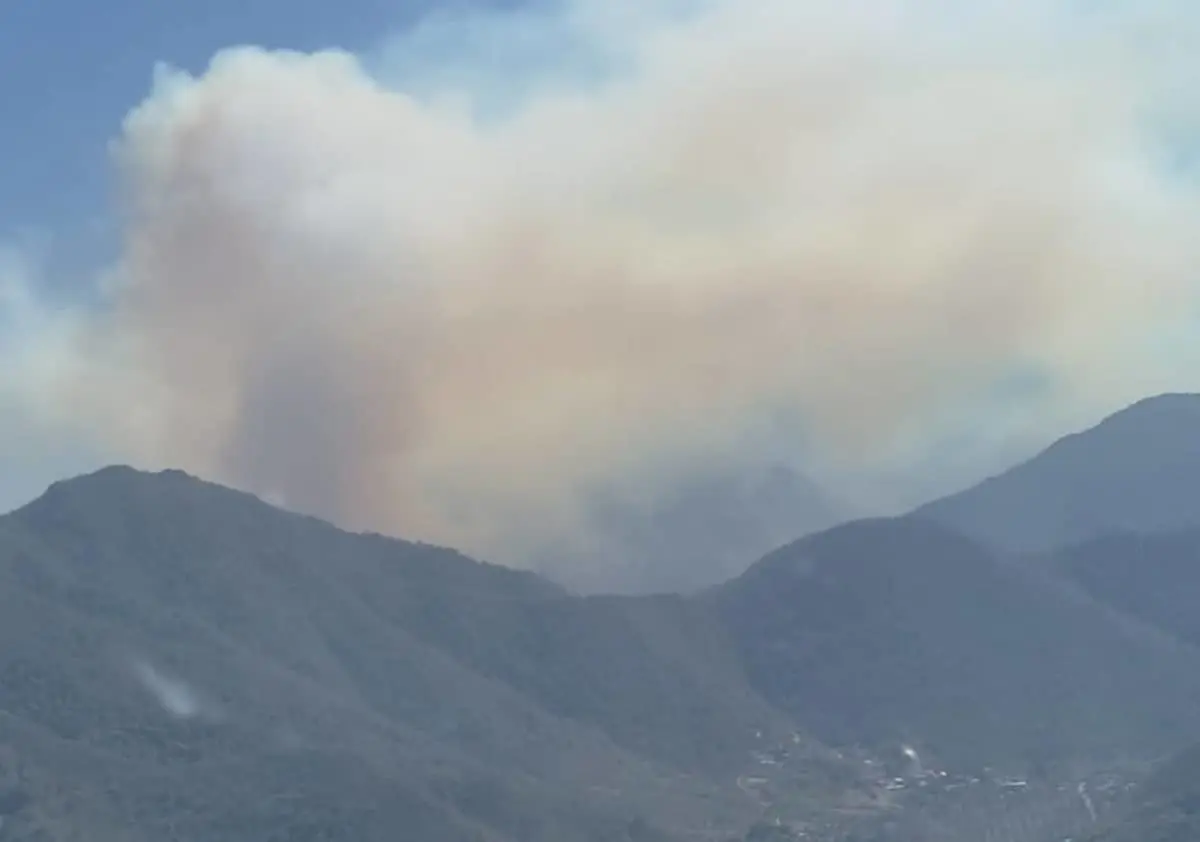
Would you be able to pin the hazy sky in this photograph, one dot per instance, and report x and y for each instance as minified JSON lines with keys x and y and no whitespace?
{"x":445,"y":272}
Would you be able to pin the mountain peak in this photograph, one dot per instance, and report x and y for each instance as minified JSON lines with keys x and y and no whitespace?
{"x":1136,"y":470}
{"x":120,"y":475}
{"x":857,"y":541}
{"x":121,"y":493}
{"x":1173,"y":412}
{"x":1188,"y":400}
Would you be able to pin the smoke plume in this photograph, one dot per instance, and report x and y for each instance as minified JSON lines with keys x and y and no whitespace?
{"x":415,"y":294}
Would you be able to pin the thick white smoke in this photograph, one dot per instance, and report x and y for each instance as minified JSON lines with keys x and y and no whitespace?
{"x":447,"y":303}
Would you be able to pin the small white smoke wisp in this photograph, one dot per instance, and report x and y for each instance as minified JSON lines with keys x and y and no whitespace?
{"x":911,"y":754}
{"x":1086,"y":797}
{"x":176,"y":697}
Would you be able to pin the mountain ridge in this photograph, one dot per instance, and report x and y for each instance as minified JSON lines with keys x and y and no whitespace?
{"x":167,"y":627}
{"x":873,"y":622}
{"x":193,"y":641}
{"x":1138,"y":469}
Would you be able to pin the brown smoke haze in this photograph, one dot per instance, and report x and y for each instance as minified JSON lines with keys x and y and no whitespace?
{"x":386,"y":309}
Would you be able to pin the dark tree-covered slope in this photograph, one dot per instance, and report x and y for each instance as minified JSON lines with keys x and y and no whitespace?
{"x":230,"y":667}
{"x":899,"y":629}
{"x":184,"y":661}
{"x":1154,"y":579}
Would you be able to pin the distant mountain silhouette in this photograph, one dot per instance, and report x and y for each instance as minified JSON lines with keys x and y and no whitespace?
{"x":1138,"y":471}
{"x":700,"y":533}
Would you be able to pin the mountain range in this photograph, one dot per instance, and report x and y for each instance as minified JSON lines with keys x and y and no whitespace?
{"x":184,"y":661}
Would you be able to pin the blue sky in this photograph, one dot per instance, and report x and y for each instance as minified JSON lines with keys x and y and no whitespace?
{"x":70,"y":70}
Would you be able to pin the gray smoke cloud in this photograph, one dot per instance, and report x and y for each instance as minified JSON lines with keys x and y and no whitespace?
{"x":415,"y":294}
